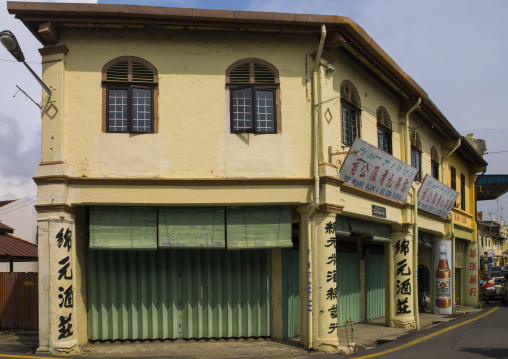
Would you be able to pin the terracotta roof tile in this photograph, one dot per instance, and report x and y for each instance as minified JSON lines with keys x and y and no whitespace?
{"x":11,"y":246}
{"x":3,"y":203}
{"x":5,"y":228}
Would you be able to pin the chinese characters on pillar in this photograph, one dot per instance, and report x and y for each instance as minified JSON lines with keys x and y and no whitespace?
{"x":403,"y":277}
{"x":473,"y":269}
{"x":331,"y":276}
{"x":65,"y":296}
{"x":376,"y":171}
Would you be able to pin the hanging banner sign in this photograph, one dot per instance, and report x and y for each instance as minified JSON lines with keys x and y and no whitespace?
{"x":367,"y":167}
{"x":436,"y":197}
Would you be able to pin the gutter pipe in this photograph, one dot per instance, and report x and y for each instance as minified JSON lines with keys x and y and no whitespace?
{"x":316,"y":115}
{"x":452,"y":225}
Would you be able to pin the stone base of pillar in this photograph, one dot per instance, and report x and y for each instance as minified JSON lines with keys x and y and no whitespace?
{"x":325,"y":346}
{"x":406,"y":324}
{"x":42,"y":350}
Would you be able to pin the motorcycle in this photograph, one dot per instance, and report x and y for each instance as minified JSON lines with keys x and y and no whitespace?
{"x":423,"y":300}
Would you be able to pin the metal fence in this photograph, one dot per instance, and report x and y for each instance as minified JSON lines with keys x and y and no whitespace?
{"x":19,"y":301}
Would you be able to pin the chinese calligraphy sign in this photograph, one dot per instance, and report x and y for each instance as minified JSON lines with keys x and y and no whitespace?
{"x":436,"y":197}
{"x":369,"y":168}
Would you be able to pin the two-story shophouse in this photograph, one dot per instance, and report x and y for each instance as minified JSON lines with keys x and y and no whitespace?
{"x":225,"y":174}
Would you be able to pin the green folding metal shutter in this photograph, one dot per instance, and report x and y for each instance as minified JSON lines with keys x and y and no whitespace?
{"x":171,"y":294}
{"x":375,"y":286}
{"x":290,"y":293}
{"x":348,"y":284}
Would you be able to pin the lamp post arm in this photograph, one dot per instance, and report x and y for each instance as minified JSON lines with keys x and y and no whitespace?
{"x":38,"y":79}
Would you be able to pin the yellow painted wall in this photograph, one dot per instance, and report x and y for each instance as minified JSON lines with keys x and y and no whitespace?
{"x":193,"y":138}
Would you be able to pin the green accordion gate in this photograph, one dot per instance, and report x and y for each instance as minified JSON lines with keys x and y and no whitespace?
{"x":178,"y":293}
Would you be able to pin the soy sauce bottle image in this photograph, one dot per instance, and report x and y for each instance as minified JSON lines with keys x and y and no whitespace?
{"x":443,"y":297}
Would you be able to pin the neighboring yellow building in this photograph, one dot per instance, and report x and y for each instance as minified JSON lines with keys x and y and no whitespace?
{"x":211,"y":174}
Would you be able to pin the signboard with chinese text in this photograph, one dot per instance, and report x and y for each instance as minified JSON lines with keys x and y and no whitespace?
{"x":369,"y":168}
{"x":435,"y":197}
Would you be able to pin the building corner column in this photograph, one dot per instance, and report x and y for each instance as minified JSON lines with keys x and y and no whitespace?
{"x":325,"y":318}
{"x":57,"y":283}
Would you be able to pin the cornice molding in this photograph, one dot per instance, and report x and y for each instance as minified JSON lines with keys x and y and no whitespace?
{"x":54,"y":207}
{"x":187,"y":182}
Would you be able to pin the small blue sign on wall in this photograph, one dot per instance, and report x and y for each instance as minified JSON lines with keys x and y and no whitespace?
{"x":378,"y":211}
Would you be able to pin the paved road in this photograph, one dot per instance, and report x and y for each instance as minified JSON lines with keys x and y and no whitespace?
{"x":483,"y":335}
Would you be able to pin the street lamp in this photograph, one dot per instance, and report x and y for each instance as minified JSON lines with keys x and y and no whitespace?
{"x":11,"y":44}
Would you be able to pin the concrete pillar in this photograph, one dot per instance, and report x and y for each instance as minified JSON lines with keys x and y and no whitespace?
{"x":325,"y":283}
{"x":401,"y":288}
{"x":53,"y":72}
{"x":471,"y":279}
{"x":57,"y":282}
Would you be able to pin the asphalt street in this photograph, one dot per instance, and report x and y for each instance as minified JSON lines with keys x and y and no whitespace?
{"x":483,"y":335}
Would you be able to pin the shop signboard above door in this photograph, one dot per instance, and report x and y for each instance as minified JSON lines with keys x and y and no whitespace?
{"x":369,"y":168}
{"x":435,"y":197}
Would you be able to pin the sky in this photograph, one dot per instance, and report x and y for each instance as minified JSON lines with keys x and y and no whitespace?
{"x":456,"y":50}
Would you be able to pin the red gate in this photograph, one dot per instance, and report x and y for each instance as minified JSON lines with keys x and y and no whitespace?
{"x":19,"y":301}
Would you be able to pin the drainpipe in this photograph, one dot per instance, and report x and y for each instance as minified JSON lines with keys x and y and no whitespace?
{"x":316,"y":112}
{"x":407,"y":158}
{"x":407,"y":149}
{"x":452,"y":224}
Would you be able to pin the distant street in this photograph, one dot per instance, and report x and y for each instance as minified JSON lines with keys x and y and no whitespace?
{"x":486,"y":337}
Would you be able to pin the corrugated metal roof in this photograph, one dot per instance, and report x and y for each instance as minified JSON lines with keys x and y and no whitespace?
{"x":11,"y":246}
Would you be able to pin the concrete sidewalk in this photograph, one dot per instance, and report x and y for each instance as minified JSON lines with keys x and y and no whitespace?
{"x":365,"y":335}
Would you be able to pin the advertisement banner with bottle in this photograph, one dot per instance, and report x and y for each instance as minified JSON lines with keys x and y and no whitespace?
{"x":443,"y":277}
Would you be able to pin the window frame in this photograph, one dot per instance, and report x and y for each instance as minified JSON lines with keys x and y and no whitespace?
{"x":434,"y":169}
{"x":264,"y":86}
{"x":254,"y":89}
{"x":382,"y":130}
{"x":130,"y":85}
{"x":462,"y":192}
{"x":130,"y":105}
{"x":348,"y":95}
{"x":353,"y":134}
{"x":416,"y":150}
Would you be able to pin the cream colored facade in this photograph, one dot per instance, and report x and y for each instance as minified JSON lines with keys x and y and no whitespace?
{"x":192,"y":158}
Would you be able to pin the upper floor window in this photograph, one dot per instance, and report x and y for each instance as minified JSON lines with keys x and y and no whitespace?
{"x":254,"y":91}
{"x":384,"y":130}
{"x":416,"y":154}
{"x":462,"y":192}
{"x":351,"y":109}
{"x":453,"y":178}
{"x":130,"y":85}
{"x":434,"y":163}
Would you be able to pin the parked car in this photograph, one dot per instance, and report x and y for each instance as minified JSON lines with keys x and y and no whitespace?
{"x":496,"y":271}
{"x":498,"y":283}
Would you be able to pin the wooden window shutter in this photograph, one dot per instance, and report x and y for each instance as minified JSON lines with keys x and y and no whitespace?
{"x":383,"y":117}
{"x":434,"y":156}
{"x":415,"y":140}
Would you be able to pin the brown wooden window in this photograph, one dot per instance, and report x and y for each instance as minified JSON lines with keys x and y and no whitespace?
{"x":253,"y":86}
{"x":416,"y":154}
{"x":384,"y":130}
{"x":351,"y":109}
{"x":434,"y":163}
{"x":130,"y":88}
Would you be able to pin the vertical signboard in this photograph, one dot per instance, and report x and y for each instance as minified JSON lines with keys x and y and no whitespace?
{"x":367,"y":167}
{"x":443,"y":277}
